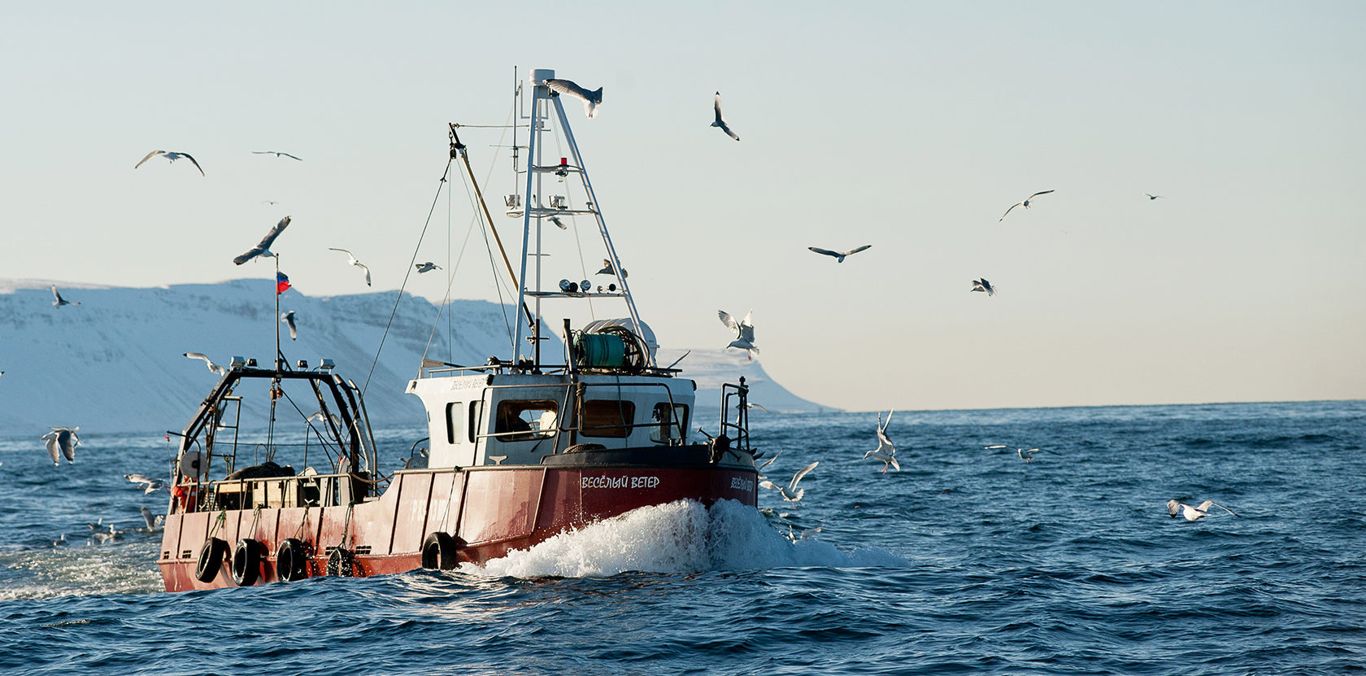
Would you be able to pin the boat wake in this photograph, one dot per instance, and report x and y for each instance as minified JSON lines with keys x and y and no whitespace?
{"x":678,"y":537}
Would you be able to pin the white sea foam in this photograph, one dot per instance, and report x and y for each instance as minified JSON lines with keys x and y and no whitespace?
{"x":678,"y":537}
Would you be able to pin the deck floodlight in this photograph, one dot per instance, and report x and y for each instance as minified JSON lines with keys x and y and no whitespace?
{"x":303,"y":364}
{"x":237,"y":362}
{"x":325,"y":364}
{"x":585,"y":285}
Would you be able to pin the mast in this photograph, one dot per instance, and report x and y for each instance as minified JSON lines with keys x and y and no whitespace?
{"x":538,"y":92}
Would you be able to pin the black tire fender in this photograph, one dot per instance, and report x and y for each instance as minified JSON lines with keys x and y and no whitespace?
{"x":291,"y":560}
{"x":211,"y":558}
{"x":246,"y":562}
{"x":438,"y":552}
{"x":341,"y":562}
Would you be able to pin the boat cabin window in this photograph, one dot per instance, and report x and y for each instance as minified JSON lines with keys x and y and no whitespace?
{"x":526,"y":420}
{"x":669,"y":424}
{"x":607,"y":418}
{"x":476,"y":410}
{"x":454,"y":421}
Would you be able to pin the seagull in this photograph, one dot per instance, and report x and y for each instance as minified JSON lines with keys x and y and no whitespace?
{"x":150,"y":485}
{"x":1151,"y":196}
{"x":558,"y":223}
{"x":95,"y":525}
{"x":608,"y":269}
{"x":172,"y":156}
{"x":277,"y":154}
{"x":148,"y":518}
{"x":718,"y":122}
{"x":324,"y":417}
{"x":354,"y":262}
{"x":790,"y":492}
{"x":744,"y":332}
{"x":983,"y":285}
{"x":107,"y":536}
{"x":1023,"y":203}
{"x":269,"y":202}
{"x":62,"y":440}
{"x":591,"y":99}
{"x":263,"y":248}
{"x":768,"y":462}
{"x":60,"y":542}
{"x":1193,"y":513}
{"x":58,"y":301}
{"x":427,"y":267}
{"x":213,"y":368}
{"x":839,"y":255}
{"x":994,"y":447}
{"x":888,"y":458}
{"x":1026,"y":454}
{"x":754,"y":405}
{"x":288,"y":319}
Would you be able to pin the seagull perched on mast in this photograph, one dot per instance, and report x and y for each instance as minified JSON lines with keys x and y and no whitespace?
{"x":744,"y":332}
{"x":790,"y":492}
{"x":288,"y":319}
{"x":1023,"y":203}
{"x":983,"y":285}
{"x":63,"y":441}
{"x":839,"y":255}
{"x":355,"y":262}
{"x":718,"y":122}
{"x":172,"y":156}
{"x":277,"y":154}
{"x":591,"y":99}
{"x":262,"y":248}
{"x":1195,"y":513}
{"x":884,"y":442}
{"x":213,"y":368}
{"x":58,"y":301}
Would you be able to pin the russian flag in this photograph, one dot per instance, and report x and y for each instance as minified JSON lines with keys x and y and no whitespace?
{"x":281,"y":283}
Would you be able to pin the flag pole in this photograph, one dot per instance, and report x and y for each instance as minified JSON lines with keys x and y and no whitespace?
{"x":276,"y":318}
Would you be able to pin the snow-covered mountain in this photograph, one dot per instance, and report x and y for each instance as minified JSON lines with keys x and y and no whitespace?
{"x":114,"y":362}
{"x":711,"y":368}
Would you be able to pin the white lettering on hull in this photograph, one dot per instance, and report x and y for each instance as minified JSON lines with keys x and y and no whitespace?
{"x":740,"y":484}
{"x":646,"y":482}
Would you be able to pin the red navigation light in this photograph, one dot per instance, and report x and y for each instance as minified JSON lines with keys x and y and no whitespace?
{"x":564,"y":161}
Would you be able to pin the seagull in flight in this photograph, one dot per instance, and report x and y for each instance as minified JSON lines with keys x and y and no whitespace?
{"x":1023,"y":203}
{"x":149,"y":519}
{"x":354,"y":262}
{"x":558,"y":223}
{"x":213,"y":368}
{"x":427,"y":267}
{"x":790,"y":492}
{"x":172,"y":156}
{"x":263,"y":247}
{"x":886,"y":450}
{"x":62,"y":441}
{"x":839,"y":255}
{"x":983,"y":285}
{"x":1026,"y":454}
{"x":744,"y":332}
{"x":609,"y":269}
{"x":591,"y":99}
{"x":277,"y":154}
{"x":1195,"y":513}
{"x":718,"y":122}
{"x":753,"y":405}
{"x":288,"y":319}
{"x":58,"y":301}
{"x":1151,"y":196}
{"x":149,"y":485}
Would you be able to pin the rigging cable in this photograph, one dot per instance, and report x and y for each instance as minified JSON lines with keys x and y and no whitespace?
{"x":406,"y":274}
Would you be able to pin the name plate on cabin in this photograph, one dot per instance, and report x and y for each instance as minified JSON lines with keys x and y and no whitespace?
{"x":619,"y":482}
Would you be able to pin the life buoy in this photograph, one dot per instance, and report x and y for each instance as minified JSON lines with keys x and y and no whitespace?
{"x":341,"y":562}
{"x":439,"y":551}
{"x":291,"y":560}
{"x":211,"y":557}
{"x":246,"y":562}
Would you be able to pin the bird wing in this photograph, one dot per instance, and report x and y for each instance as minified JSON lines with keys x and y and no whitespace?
{"x":367,"y":271}
{"x":50,"y":441}
{"x":1007,"y":213}
{"x":149,"y":156}
{"x":749,"y":321}
{"x":292,"y":157}
{"x":895,"y":465}
{"x":797,"y":478}
{"x":728,"y":320}
{"x":855,"y":250}
{"x":824,"y":252}
{"x":56,"y":295}
{"x":192,"y":161}
{"x":275,"y":231}
{"x":716,"y":105}
{"x":67,"y":440}
{"x":759,"y":406}
{"x":770,"y":460}
{"x":1204,"y":506}
{"x":889,"y":418}
{"x":198,"y":355}
{"x":767,"y":484}
{"x":726,"y":128}
{"x":1041,"y":192}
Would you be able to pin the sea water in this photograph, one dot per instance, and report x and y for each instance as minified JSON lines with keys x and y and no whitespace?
{"x":967,"y":560}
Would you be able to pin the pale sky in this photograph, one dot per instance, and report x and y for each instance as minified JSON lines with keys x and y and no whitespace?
{"x":908,"y":126}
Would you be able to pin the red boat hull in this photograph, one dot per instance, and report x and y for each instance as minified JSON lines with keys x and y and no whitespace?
{"x":489,"y":511}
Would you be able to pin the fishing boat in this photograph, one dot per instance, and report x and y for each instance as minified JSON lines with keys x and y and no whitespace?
{"x":519,"y":449}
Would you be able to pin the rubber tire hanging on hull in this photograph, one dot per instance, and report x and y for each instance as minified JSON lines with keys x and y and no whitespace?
{"x":291,"y":560}
{"x":246,"y":562}
{"x":341,"y":563}
{"x":438,"y":552}
{"x":211,"y":558}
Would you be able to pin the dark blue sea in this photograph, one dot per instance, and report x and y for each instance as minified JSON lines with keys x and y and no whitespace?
{"x":968,"y":560}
